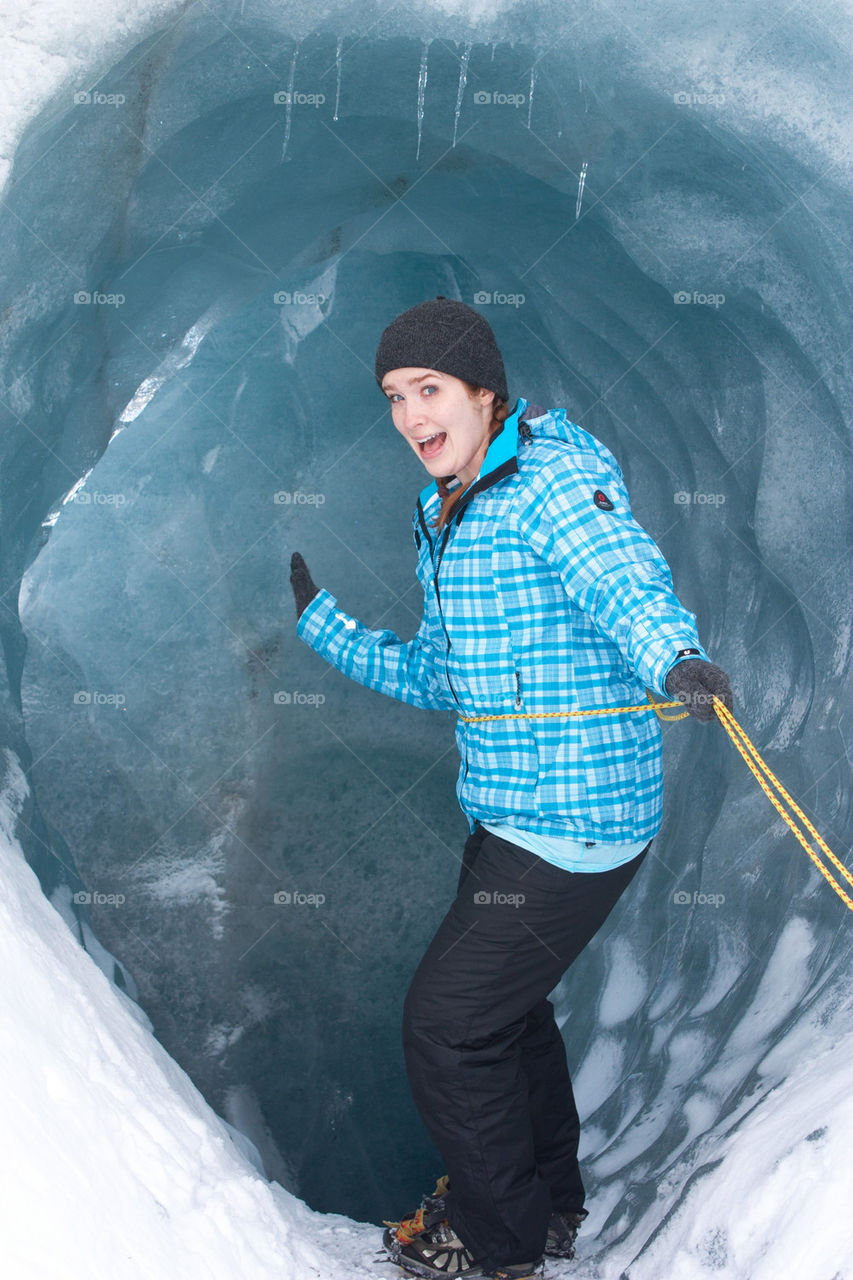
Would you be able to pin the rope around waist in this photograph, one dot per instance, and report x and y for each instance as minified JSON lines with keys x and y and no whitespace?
{"x":750,"y":754}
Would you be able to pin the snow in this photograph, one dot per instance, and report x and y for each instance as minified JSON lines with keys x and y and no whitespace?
{"x":53,"y":44}
{"x":776,"y":1204}
{"x":599,"y":1073}
{"x":626,"y":987}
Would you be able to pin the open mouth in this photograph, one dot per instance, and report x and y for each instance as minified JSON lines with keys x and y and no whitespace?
{"x":432,"y":445}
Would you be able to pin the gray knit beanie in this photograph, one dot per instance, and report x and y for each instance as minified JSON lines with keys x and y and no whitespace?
{"x":447,"y":336}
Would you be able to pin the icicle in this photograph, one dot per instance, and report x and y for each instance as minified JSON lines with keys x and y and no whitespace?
{"x":463,"y":76}
{"x":530,"y":94}
{"x":581,"y":181}
{"x":422,"y":79}
{"x":338,"y":65}
{"x":289,"y":99}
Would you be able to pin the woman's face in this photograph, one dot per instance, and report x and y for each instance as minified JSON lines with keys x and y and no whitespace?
{"x":445,"y":424}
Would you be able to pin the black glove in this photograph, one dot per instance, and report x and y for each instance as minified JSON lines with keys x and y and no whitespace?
{"x":304,"y":589}
{"x":694,"y":681}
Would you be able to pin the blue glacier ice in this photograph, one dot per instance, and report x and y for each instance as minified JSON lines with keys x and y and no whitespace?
{"x":198,"y":257}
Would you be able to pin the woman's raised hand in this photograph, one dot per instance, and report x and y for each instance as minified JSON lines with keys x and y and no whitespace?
{"x":304,"y":588}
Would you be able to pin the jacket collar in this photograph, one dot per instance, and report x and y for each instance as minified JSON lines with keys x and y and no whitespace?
{"x":501,"y":460}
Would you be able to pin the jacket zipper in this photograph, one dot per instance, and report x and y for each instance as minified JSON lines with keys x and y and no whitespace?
{"x":422,"y":522}
{"x":517,"y":689}
{"x":441,"y":611}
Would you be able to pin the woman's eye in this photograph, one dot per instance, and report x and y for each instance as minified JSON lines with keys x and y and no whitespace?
{"x":394,"y":396}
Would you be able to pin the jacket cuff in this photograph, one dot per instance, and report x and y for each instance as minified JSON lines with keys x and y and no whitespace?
{"x":696,"y":651}
{"x":312,"y":625}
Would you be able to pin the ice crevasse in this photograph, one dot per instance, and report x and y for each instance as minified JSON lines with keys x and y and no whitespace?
{"x":209,"y":213}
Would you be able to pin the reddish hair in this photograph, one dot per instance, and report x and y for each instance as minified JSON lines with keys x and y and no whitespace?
{"x":500,"y":412}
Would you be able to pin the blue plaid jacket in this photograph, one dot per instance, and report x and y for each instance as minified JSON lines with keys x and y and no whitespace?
{"x":541,"y":593}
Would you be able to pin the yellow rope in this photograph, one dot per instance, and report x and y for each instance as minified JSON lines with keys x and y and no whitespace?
{"x":594,"y":711}
{"x":750,"y":754}
{"x":738,"y":737}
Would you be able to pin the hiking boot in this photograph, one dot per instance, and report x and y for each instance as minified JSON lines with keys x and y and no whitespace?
{"x":438,"y":1252}
{"x":563,"y":1227}
{"x":432,"y":1211}
{"x":434,"y":1251}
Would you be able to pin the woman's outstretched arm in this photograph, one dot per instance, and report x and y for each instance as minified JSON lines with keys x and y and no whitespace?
{"x":579,"y":521}
{"x":411,"y":671}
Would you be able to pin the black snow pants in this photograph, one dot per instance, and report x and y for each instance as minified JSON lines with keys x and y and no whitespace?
{"x":485,"y":1059}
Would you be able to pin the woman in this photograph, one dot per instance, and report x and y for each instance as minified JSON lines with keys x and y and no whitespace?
{"x":541,"y":594}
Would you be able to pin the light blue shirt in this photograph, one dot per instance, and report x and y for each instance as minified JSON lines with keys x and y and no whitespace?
{"x":571,"y":855}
